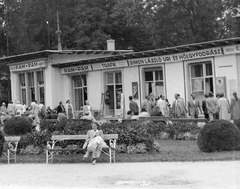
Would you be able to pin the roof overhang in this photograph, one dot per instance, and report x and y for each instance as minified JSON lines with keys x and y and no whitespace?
{"x":156,"y":52}
{"x":46,"y":53}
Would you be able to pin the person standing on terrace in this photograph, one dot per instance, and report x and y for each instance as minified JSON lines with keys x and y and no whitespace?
{"x":133,"y":105}
{"x":87,"y":109}
{"x":194,"y":107}
{"x":235,"y":107}
{"x":69,"y":110}
{"x":178,"y":107}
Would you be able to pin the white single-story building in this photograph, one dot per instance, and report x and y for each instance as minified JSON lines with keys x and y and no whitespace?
{"x":108,"y":78}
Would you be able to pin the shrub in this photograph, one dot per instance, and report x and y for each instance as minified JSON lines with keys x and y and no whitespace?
{"x":35,"y":138}
{"x":134,"y":133}
{"x":17,"y":126}
{"x":219,"y":135}
{"x":237,"y":123}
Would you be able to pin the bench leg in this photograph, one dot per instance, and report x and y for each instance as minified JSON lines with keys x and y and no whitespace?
{"x":46,"y":156}
{"x":15,"y":156}
{"x":113,"y":157}
{"x":110,"y":155}
{"x":8,"y":156}
{"x":49,"y":156}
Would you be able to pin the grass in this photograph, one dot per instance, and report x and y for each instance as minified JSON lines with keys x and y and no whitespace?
{"x":171,"y":151}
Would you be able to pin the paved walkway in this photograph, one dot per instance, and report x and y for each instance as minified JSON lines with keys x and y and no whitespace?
{"x":183,"y":175}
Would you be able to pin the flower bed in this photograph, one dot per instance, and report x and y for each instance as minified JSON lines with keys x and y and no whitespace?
{"x":135,"y":137}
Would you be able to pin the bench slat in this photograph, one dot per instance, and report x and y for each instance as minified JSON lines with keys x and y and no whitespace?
{"x":12,"y":138}
{"x":81,"y":137}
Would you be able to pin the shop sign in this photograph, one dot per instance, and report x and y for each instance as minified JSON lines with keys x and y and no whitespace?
{"x":110,"y":65}
{"x":28,"y":66}
{"x":231,"y":49}
{"x":176,"y":57}
{"x":75,"y":69}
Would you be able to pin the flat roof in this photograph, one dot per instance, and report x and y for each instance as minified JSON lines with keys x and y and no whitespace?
{"x":45,"y":53}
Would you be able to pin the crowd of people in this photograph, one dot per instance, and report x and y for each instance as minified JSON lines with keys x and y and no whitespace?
{"x":211,"y":107}
{"x":35,"y":112}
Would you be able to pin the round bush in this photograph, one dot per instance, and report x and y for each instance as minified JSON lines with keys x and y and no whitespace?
{"x":237,"y":123}
{"x":219,"y":135}
{"x":17,"y":126}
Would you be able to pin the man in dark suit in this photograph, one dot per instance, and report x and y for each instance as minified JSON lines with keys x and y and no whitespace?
{"x":178,"y":107}
{"x":212,"y":106}
{"x":204,"y":107}
{"x":133,"y":105}
{"x":194,"y":106}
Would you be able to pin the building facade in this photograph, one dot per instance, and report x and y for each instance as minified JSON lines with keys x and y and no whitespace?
{"x":107,"y":78}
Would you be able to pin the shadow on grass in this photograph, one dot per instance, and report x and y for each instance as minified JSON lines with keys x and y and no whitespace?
{"x":171,"y":151}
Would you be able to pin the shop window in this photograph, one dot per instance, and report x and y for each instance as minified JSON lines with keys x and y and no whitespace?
{"x":154,"y":81}
{"x":40,"y":88}
{"x":80,"y":91}
{"x":23,"y":93}
{"x":201,"y":79}
{"x":31,"y":87}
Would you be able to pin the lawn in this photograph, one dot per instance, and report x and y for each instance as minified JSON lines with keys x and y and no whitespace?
{"x":171,"y":150}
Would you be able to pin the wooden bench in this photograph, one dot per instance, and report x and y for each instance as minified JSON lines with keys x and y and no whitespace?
{"x":10,"y":147}
{"x":51,"y":150}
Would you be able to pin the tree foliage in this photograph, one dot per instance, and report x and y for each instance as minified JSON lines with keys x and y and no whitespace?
{"x":30,"y":25}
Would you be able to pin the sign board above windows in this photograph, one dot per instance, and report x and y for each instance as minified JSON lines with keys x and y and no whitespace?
{"x":143,"y":61}
{"x":176,"y":57}
{"x":231,"y":49}
{"x":75,"y":69}
{"x":109,"y":65}
{"x":89,"y":67}
{"x":28,"y":66}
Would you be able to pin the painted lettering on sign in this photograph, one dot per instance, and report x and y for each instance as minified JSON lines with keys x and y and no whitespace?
{"x":231,"y":49}
{"x":200,"y":54}
{"x":152,"y":60}
{"x":76,"y":69}
{"x":109,"y":65}
{"x":176,"y":57}
{"x":28,"y":66}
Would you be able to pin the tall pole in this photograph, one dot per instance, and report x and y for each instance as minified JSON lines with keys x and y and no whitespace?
{"x":48,"y":34}
{"x":58,"y":32}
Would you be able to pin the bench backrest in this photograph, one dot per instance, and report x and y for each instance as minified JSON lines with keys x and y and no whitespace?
{"x":81,"y":137}
{"x":12,"y":138}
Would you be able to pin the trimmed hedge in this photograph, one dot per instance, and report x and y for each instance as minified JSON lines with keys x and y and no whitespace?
{"x":219,"y":135}
{"x":17,"y":125}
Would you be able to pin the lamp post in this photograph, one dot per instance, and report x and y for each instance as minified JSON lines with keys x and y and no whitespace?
{"x":48,"y":34}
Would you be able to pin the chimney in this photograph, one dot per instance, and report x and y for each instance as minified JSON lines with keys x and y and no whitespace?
{"x":111,"y":45}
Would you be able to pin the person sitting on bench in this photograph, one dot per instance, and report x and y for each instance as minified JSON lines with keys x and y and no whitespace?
{"x":94,"y":143}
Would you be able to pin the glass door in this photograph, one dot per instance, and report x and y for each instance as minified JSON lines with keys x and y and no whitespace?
{"x":113,"y":94}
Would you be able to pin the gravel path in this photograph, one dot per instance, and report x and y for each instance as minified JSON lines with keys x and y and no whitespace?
{"x":224,"y":174}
